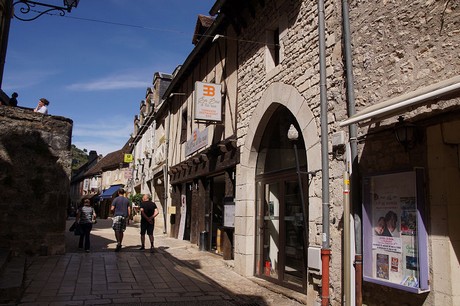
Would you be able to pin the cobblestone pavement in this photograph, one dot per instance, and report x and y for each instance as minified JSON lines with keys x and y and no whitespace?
{"x":177,"y":273}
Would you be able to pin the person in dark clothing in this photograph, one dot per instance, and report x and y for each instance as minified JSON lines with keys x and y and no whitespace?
{"x":13,"y":100}
{"x":84,"y":219}
{"x":149,"y":211}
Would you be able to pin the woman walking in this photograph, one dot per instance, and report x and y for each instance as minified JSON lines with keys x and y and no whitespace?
{"x":84,"y":219}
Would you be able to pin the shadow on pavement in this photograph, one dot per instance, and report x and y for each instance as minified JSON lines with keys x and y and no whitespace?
{"x":184,"y":270}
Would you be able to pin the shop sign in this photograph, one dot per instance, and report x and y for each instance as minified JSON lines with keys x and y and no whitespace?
{"x":208,"y":101}
{"x":85,"y":185}
{"x":128,"y":158}
{"x":128,"y":173}
{"x":198,"y":141}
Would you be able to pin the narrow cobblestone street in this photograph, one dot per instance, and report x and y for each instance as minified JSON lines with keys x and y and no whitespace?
{"x":176,"y":274}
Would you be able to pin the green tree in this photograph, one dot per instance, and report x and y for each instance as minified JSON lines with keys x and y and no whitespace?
{"x":79,"y":157}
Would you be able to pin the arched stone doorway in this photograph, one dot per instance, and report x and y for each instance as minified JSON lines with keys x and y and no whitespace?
{"x":280,"y":209}
{"x":277,"y":97}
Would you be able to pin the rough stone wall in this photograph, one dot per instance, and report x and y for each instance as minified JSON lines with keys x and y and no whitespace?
{"x":299,"y":68}
{"x":35,"y":164}
{"x":400,"y":46}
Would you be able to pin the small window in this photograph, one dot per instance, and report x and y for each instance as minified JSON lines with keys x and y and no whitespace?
{"x":183,"y":134}
{"x":273,"y":49}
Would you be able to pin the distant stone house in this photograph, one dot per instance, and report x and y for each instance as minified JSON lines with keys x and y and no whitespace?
{"x":148,"y":142}
{"x":82,"y":185}
{"x":108,"y":175}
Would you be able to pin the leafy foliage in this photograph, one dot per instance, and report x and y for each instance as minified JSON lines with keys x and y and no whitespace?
{"x":136,"y":199}
{"x":79,"y":157}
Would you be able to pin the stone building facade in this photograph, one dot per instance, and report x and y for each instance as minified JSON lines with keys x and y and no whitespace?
{"x":35,"y":163}
{"x":266,"y":56}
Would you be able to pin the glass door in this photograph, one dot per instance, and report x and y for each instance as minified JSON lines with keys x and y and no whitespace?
{"x":280,"y":250}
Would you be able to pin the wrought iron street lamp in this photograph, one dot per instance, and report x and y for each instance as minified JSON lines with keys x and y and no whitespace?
{"x":406,"y":133}
{"x":26,"y":6}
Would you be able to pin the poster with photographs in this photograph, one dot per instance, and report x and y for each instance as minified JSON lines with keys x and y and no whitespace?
{"x":394,"y":223}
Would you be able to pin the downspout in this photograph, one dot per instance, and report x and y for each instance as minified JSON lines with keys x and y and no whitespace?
{"x":326,"y":249}
{"x":354,"y":176}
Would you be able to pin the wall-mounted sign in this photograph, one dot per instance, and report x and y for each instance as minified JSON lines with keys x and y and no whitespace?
{"x":128,"y":158}
{"x":128,"y":173}
{"x":199,"y":140}
{"x":86,"y":184}
{"x":208,"y":101}
{"x":229,"y":212}
{"x":395,"y":240}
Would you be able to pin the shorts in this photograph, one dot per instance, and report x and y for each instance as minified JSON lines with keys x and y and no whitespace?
{"x":119,"y":224}
{"x":146,"y":227}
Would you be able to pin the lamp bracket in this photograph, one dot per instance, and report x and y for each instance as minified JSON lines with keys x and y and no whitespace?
{"x":27,"y":7}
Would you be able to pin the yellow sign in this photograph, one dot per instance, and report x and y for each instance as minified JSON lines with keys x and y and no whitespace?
{"x":128,"y":158}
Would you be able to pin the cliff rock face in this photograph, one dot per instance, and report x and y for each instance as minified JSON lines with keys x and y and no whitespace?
{"x":35,"y":164}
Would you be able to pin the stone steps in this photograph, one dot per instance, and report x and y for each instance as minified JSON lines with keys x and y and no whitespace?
{"x":12,"y":271}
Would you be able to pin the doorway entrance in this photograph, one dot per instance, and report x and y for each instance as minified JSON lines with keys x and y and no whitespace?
{"x":280,"y":223}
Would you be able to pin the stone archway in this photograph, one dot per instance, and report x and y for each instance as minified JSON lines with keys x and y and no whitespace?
{"x":276,"y":94}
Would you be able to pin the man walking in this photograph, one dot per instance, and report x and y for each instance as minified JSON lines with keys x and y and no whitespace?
{"x":149,"y":211}
{"x":121,"y":211}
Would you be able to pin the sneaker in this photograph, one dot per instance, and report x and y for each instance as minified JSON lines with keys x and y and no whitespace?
{"x":152,"y":250}
{"x":141,"y":248}
{"x":87,"y":251}
{"x":118,"y":248}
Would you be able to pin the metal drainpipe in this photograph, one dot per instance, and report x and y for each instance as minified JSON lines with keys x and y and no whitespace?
{"x":326,"y":249}
{"x":354,"y":189}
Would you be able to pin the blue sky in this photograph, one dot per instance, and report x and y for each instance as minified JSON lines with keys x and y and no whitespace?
{"x":97,"y":73}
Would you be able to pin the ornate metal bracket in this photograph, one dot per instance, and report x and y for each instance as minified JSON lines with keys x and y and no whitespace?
{"x":26,"y":7}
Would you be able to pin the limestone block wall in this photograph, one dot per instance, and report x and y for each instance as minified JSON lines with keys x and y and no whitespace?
{"x":401,"y":46}
{"x":295,"y":84}
{"x":35,"y":164}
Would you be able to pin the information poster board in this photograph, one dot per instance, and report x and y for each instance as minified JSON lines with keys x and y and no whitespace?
{"x":229,"y":212}
{"x":394,"y":233}
{"x":183,"y":216}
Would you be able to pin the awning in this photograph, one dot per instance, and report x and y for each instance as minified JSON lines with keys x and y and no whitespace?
{"x":398,"y":104}
{"x":109,"y":192}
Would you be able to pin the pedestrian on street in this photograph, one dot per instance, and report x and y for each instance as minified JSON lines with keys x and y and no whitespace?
{"x":149,"y":211}
{"x":84,"y":219}
{"x":121,"y":211}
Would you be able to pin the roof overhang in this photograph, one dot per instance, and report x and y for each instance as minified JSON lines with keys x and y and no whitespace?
{"x":398,"y":104}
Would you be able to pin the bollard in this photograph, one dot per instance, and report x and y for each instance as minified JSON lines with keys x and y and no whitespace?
{"x":204,"y":241}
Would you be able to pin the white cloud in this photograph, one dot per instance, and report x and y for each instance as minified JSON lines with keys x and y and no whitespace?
{"x":105,"y":137}
{"x":111,"y":83}
{"x":27,"y":78}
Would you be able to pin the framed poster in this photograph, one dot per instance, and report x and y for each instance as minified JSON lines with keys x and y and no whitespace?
{"x":395,"y":240}
{"x":229,"y":212}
